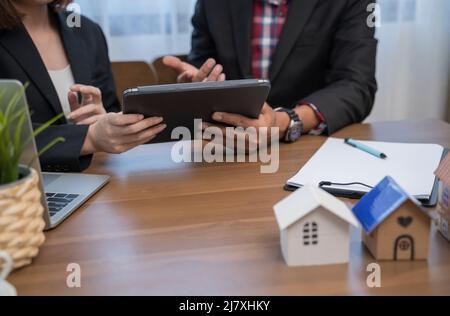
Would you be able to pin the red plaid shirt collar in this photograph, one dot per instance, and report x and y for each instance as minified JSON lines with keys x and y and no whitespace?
{"x":273,"y":2}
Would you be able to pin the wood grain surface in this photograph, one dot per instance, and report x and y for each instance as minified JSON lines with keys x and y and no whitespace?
{"x":161,"y":228}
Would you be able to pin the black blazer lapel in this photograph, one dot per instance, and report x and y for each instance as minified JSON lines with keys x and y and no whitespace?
{"x":241,"y":16}
{"x":76,"y":51}
{"x":299,"y":12}
{"x":21,"y":47}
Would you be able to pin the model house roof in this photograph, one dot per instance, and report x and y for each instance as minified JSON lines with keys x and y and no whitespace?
{"x":443,"y":172}
{"x":306,"y":200}
{"x":379,"y":203}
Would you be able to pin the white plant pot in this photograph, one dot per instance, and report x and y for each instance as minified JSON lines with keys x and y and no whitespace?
{"x":6,"y":289}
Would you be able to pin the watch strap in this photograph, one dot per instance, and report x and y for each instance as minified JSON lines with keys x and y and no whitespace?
{"x":295,"y":122}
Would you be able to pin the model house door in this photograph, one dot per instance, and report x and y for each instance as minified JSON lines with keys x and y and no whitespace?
{"x":404,"y":248}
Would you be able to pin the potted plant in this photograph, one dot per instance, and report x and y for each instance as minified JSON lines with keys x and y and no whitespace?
{"x":21,"y":210}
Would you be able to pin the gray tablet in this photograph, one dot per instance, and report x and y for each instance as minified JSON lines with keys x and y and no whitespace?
{"x":181,"y":104}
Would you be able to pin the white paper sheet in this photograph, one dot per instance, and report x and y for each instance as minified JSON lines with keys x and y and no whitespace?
{"x":411,"y":165}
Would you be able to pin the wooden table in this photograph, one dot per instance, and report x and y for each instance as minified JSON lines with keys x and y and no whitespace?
{"x":198,"y":229}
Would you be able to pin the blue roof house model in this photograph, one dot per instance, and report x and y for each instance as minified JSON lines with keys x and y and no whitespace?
{"x":443,"y":211}
{"x":395,"y":226}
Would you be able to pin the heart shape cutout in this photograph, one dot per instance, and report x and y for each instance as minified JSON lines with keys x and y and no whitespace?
{"x":405,"y":221}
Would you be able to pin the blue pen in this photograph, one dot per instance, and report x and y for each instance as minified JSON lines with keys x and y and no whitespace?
{"x":365,"y":148}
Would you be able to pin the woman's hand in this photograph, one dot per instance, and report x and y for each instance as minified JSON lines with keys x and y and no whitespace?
{"x":116,"y":133}
{"x":210,"y":71}
{"x":91,"y":108}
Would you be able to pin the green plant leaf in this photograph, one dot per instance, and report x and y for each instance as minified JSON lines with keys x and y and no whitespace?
{"x":46,"y":125}
{"x":47,"y":148}
{"x":18,"y":132}
{"x":42,"y":128}
{"x":12,"y":123}
{"x":13,"y":102}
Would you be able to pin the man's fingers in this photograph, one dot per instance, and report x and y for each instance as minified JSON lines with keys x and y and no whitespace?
{"x":205,"y":70}
{"x":233,"y":119}
{"x":266,"y":109}
{"x":173,"y":62}
{"x":222,"y":77}
{"x":119,"y":119}
{"x":206,"y":125}
{"x":176,"y":63}
{"x":188,"y":73}
{"x":186,"y":76}
{"x":215,"y":73}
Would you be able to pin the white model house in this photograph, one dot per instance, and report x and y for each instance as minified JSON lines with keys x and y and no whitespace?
{"x":314,"y":228}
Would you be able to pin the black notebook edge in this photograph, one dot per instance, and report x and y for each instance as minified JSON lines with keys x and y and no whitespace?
{"x":356,"y":195}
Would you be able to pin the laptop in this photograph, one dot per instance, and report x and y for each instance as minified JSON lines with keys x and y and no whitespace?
{"x":62,"y":193}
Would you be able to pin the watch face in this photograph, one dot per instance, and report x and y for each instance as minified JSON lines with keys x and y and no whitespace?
{"x":295,"y":133}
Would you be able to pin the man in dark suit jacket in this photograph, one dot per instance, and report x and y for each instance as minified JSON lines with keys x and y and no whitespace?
{"x":318,"y":54}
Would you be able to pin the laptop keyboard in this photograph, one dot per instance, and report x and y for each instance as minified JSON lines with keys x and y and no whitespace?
{"x":58,"y":201}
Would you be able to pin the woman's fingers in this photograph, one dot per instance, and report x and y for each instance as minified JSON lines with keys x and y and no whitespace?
{"x":87,"y":110}
{"x":141,"y":137}
{"x":132,"y":124}
{"x":73,"y":100}
{"x":90,"y":120}
{"x":142,"y":125}
{"x":119,"y":119}
{"x":90,"y":94}
{"x":91,"y":105}
{"x":146,"y":135}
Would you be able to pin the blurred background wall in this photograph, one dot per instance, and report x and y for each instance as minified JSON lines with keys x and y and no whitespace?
{"x":413,"y":59}
{"x":448,"y":100}
{"x":448,"y":106}
{"x":142,"y":29}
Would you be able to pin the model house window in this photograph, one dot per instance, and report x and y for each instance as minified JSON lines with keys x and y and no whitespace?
{"x":310,"y":234}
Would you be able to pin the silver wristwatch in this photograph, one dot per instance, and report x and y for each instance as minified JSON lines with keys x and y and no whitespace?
{"x":295,"y":129}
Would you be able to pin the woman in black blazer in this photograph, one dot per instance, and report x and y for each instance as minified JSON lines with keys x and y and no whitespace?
{"x":37,"y":46}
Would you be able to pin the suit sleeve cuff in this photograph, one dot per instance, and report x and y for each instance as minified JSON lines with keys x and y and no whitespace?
{"x":322,"y":127}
